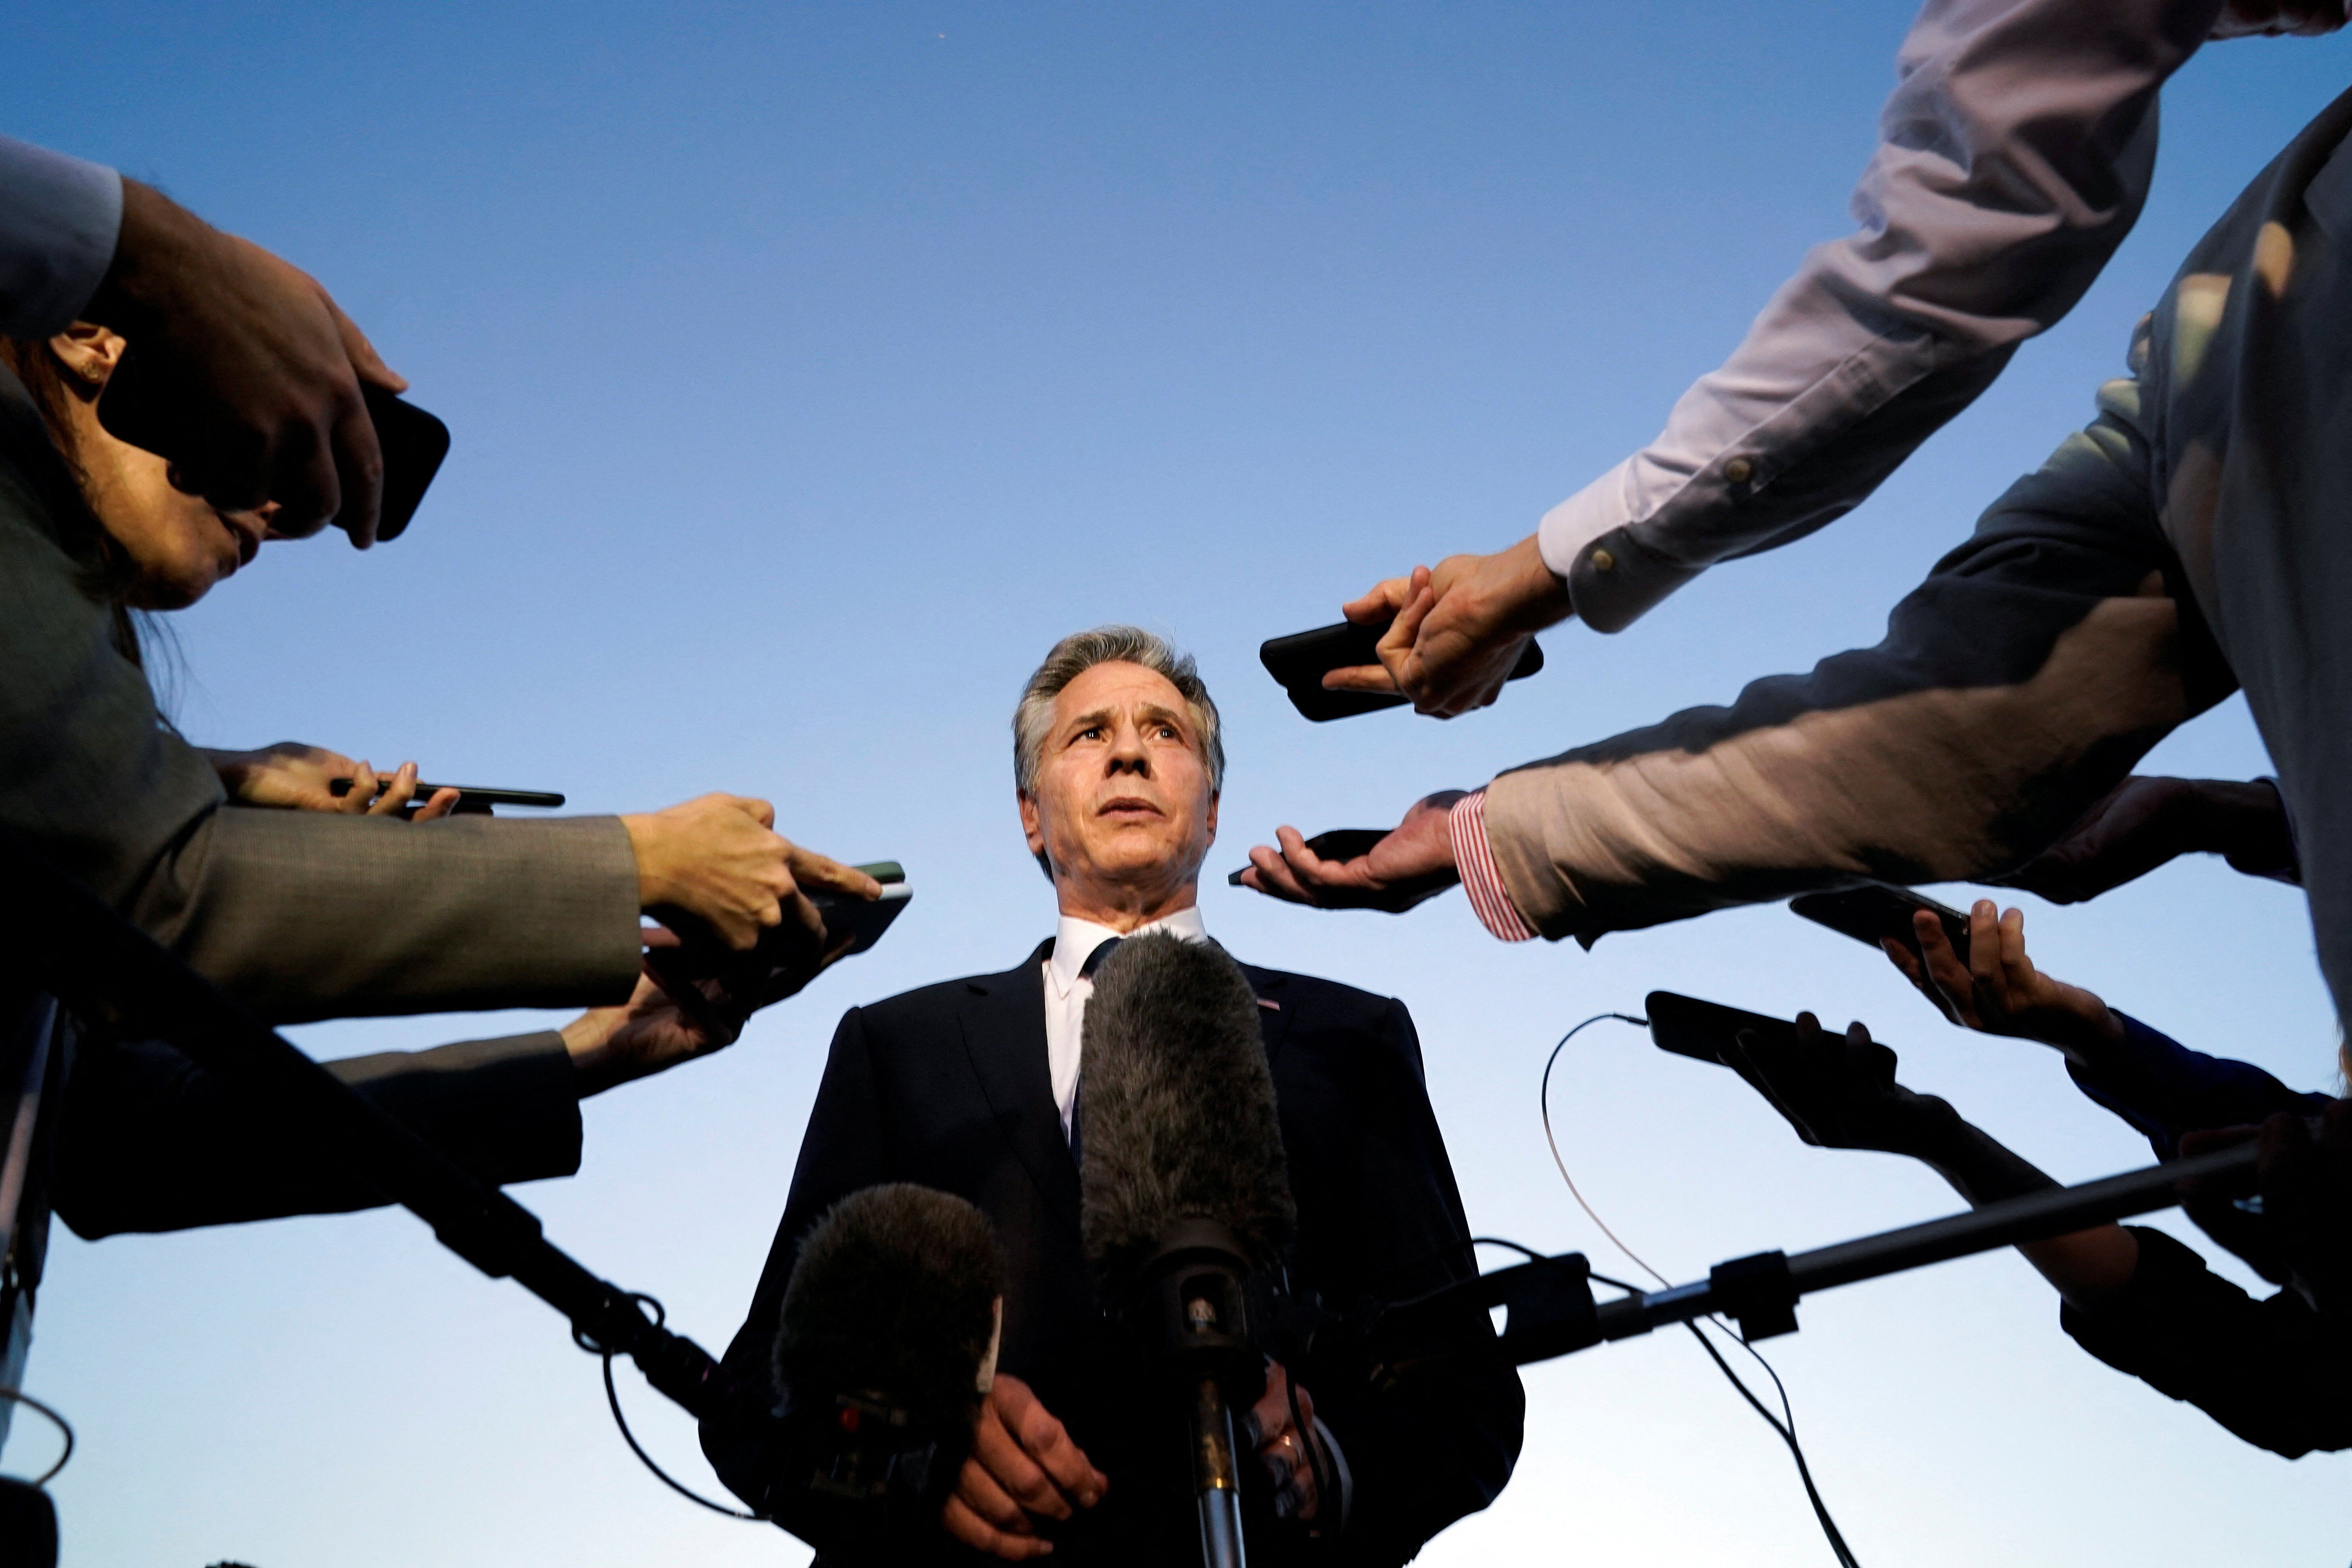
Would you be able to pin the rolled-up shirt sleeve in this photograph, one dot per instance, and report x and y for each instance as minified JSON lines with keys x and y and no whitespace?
{"x":2014,"y":156}
{"x":59,"y":217}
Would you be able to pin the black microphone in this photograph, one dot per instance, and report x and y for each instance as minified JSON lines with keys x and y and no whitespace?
{"x":886,"y":1346}
{"x":1185,"y":1192}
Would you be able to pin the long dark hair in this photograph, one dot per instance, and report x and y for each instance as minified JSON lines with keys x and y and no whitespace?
{"x":108,"y":572}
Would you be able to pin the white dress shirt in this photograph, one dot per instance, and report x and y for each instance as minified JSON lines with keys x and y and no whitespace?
{"x":2013,"y":158}
{"x":1075,"y":941}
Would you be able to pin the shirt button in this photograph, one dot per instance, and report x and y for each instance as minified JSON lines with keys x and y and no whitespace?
{"x":1739,"y":470}
{"x":1604,"y":561}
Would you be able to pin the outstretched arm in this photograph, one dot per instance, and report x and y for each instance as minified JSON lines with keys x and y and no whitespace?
{"x":1839,"y":1092}
{"x":2015,"y":152}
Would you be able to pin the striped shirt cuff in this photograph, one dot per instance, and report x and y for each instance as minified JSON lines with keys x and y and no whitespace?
{"x":1481,"y":877}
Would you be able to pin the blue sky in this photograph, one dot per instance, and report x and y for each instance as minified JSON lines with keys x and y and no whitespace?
{"x":813,"y":368}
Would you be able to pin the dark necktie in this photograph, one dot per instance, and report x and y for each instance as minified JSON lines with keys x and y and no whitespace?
{"x":1086,"y":971}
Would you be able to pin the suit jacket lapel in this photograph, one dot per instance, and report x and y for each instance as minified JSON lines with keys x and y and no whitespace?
{"x":1272,"y":1017}
{"x":1004,"y":1034}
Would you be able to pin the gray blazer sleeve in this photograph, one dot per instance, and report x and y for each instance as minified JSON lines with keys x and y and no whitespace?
{"x":299,"y":915}
{"x":59,"y":218}
{"x":152,"y":1142}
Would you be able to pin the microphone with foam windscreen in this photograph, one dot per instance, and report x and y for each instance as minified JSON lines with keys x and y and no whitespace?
{"x":886,"y":1346}
{"x":1185,"y":1193}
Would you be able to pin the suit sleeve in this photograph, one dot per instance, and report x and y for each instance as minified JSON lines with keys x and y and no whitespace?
{"x":301,"y":915}
{"x":59,"y":218}
{"x":2270,"y":1370}
{"x":1426,"y":1456}
{"x":2015,"y":685}
{"x":842,"y":1152}
{"x":152,"y":1142}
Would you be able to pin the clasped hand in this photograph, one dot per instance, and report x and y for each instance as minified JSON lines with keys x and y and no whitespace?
{"x":1025,"y":1472}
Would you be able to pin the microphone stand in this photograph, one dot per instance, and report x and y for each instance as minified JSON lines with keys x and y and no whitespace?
{"x":1193,"y":1308}
{"x":1549,"y":1309}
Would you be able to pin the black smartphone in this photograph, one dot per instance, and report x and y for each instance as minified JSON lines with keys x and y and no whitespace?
{"x":1703,"y":1031}
{"x":472,"y":799}
{"x":865,"y":919}
{"x":1879,"y":909}
{"x":720,"y":989}
{"x":412,"y":442}
{"x":1337,"y":843}
{"x":1301,"y":660}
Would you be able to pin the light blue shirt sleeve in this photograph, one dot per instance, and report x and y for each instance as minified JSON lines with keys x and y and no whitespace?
{"x":59,"y":220}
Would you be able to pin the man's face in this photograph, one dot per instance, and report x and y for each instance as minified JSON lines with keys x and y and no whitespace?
{"x":1122,"y":800}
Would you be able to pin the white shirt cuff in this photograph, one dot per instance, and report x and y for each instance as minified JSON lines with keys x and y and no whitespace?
{"x":1473,"y":857}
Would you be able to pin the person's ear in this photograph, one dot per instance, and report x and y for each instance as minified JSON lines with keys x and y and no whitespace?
{"x":1213,"y":798}
{"x":88,"y":354}
{"x":1032,"y":823}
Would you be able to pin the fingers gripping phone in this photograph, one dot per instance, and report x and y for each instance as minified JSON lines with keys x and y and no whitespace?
{"x":1336,"y":844}
{"x":1878,"y":910}
{"x":412,"y":442}
{"x":863,"y":920}
{"x":473,"y":800}
{"x":1301,"y":660}
{"x":720,"y":989}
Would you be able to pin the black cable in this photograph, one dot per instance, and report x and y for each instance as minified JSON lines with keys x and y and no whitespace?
{"x":1788,"y":1436}
{"x":613,"y":1398}
{"x":18,"y":1396}
{"x":1785,"y":1425}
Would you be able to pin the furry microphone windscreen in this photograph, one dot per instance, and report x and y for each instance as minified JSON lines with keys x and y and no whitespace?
{"x":1179,"y":1107}
{"x":895,"y":1293}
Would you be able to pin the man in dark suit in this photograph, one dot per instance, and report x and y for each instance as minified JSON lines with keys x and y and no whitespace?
{"x":972,"y":1087}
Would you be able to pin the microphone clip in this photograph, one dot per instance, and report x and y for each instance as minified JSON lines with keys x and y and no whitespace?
{"x":1192,"y":1309}
{"x":1547,"y":1308}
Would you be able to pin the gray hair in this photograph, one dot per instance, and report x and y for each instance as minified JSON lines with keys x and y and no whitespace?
{"x":1032,"y":721}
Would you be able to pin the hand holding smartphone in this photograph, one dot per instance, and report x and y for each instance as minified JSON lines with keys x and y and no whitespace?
{"x":473,"y":800}
{"x":1878,"y":911}
{"x":719,"y":988}
{"x":1301,"y":660}
{"x":1706,"y":1031}
{"x":412,"y":443}
{"x":1334,"y":844}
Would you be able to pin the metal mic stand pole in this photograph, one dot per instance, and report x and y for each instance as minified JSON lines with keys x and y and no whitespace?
{"x":1548,"y":1310}
{"x":103,"y":967}
{"x":1762,"y":1290}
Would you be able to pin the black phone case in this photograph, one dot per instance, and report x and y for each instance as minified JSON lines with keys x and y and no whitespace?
{"x":1703,"y":1031}
{"x":863,"y":920}
{"x":414,"y":443}
{"x":1879,"y":911}
{"x":1335,"y":844}
{"x":1300,"y":661}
